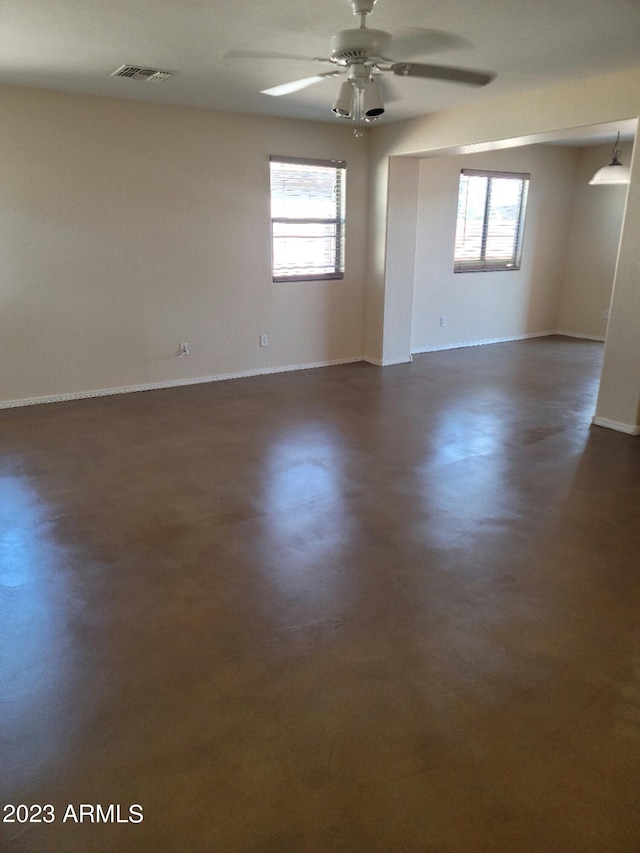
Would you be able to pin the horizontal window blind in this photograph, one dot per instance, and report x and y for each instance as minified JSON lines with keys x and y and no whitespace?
{"x":307,"y":218}
{"x":489,"y":227}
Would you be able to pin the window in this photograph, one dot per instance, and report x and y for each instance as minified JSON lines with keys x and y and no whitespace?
{"x":491,"y":207}
{"x":307,"y":218}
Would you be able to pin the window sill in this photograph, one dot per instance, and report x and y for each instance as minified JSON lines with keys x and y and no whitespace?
{"x":487,"y":269}
{"x":327,"y":277}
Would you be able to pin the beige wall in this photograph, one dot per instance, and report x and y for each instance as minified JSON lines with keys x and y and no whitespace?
{"x":509,"y":122}
{"x":127,"y":228}
{"x":491,"y":305}
{"x":401,"y":247}
{"x":619,"y":396}
{"x":592,"y":248}
{"x":378,"y":175}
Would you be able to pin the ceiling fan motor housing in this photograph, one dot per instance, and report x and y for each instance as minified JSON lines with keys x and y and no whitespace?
{"x":359,"y":44}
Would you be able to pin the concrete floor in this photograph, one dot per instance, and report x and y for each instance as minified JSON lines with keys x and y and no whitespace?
{"x":345,"y":609}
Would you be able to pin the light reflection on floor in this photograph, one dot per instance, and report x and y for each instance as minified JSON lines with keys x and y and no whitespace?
{"x":484,"y":489}
{"x":455,"y":436}
{"x":34,"y":659}
{"x":304,"y":500}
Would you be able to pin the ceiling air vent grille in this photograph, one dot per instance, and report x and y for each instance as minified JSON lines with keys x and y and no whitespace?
{"x":136,"y":72}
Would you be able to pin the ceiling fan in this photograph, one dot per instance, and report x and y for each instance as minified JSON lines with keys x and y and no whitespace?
{"x":362,"y":55}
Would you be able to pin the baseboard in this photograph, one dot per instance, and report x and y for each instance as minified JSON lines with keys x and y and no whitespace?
{"x":580,"y":335}
{"x":177,"y":383}
{"x":485,"y":341}
{"x":629,"y":429}
{"x":383,"y":362}
{"x":389,"y":362}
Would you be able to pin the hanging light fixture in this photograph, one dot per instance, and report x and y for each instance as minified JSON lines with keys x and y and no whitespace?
{"x":373,"y":106}
{"x":343,"y":104}
{"x":615,"y":172}
{"x":359,"y":97}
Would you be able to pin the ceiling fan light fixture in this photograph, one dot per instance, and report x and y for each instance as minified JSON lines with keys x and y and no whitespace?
{"x":343,"y":104}
{"x":362,"y":54}
{"x":614,"y":172}
{"x":362,"y":7}
{"x":373,"y":106}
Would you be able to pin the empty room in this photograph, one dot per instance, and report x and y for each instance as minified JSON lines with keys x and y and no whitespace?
{"x":319,"y":406}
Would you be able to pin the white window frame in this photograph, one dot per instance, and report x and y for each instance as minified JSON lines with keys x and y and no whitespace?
{"x":481,"y":261}
{"x":334,"y":225}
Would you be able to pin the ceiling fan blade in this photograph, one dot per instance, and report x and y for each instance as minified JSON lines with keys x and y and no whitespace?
{"x":442,"y":72}
{"x":296,"y":85}
{"x":415,"y":41}
{"x":256,"y":54}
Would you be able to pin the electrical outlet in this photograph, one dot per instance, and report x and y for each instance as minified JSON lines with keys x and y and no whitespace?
{"x":605,"y":314}
{"x":264,"y":341}
{"x":184,"y":350}
{"x":443,"y":321}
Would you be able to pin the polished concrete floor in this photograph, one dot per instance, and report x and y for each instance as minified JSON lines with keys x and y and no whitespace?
{"x":345,"y":609}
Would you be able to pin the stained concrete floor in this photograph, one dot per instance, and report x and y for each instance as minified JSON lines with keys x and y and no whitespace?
{"x":345,"y":609}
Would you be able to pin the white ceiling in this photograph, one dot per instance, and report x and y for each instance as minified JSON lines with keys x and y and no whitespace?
{"x":75,"y":45}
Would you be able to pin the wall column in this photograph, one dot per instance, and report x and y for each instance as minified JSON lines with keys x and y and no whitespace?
{"x":618,"y":404}
{"x":402,"y":216}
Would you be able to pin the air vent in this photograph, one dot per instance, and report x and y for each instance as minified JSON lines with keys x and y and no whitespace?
{"x":136,"y":72}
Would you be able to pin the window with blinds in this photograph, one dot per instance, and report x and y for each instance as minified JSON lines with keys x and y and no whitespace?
{"x":307,"y":218}
{"x":491,"y":210}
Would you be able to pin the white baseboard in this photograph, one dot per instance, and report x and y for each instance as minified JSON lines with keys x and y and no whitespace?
{"x":383,"y":362}
{"x":512,"y":338}
{"x":629,"y":429}
{"x":155,"y":386}
{"x":485,"y":341}
{"x":389,"y":362}
{"x":176,"y":383}
{"x":580,"y":335}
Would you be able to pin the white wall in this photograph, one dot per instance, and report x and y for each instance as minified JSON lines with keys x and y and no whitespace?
{"x":503,"y":123}
{"x":592,"y":248}
{"x":400,"y":245}
{"x":491,"y":305}
{"x":619,"y":396}
{"x":126,"y":228}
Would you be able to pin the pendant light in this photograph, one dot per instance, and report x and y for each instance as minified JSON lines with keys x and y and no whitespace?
{"x":615,"y":172}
